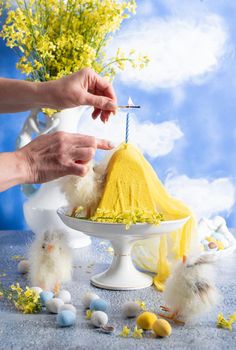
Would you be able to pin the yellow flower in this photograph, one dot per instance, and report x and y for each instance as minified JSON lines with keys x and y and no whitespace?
{"x":1,"y":294}
{"x":17,"y":257}
{"x":223,"y":323}
{"x":232,"y":318}
{"x":110,"y":250}
{"x":16,"y":288}
{"x":49,"y":112}
{"x":220,"y":245}
{"x":88,"y":314}
{"x":142,"y":304}
{"x":56,"y":38}
{"x":26,"y":301}
{"x":125,"y":332}
{"x":137,"y":333}
{"x":28,"y":293}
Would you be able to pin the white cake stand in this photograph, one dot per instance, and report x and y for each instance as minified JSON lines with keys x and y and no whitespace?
{"x":121,"y":275}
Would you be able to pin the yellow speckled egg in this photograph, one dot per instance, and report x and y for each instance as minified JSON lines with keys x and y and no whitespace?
{"x":161,"y":328}
{"x":146,"y":320}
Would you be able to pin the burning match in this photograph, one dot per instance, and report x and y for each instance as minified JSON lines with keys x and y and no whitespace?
{"x":129,"y":105}
{"x":123,"y":107}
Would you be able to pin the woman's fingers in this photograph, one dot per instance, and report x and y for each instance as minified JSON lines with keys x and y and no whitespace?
{"x":96,"y":113}
{"x":100,"y":102}
{"x":51,"y":156}
{"x":79,"y":140}
{"x":104,"y":144}
{"x":84,"y":154}
{"x":77,"y":169}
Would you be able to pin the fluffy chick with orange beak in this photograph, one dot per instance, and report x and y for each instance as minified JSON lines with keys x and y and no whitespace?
{"x":190,"y":291}
{"x":84,"y":193}
{"x":50,"y":260}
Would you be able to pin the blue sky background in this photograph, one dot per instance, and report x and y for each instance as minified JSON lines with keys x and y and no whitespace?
{"x":187,"y":124}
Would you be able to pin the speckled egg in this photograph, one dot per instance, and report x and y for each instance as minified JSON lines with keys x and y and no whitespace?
{"x":98,"y":305}
{"x":212,"y":246}
{"x":65,"y":296}
{"x":67,"y":307}
{"x":161,"y":328}
{"x":131,"y":309}
{"x":54,"y":304}
{"x":38,"y":290}
{"x":66,"y":318}
{"x":45,"y":297}
{"x":99,"y":318}
{"x":88,"y":298}
{"x":23,"y":266}
{"x":146,"y":320}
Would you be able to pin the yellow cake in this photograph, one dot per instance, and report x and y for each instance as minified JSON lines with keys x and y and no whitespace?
{"x":133,"y":193}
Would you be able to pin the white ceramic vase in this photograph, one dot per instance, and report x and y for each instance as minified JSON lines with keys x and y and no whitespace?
{"x":41,"y":205}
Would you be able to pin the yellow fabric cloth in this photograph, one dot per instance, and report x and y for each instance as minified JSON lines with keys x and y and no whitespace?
{"x":132,"y":185}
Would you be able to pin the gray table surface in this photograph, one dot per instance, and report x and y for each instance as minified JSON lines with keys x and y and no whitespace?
{"x":18,"y":331}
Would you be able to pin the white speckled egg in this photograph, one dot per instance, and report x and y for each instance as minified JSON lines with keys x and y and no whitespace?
{"x":38,"y":290}
{"x":99,"y":318}
{"x":88,"y":298}
{"x":67,"y":307}
{"x":130,"y":309}
{"x":54,"y":304}
{"x":23,"y":266}
{"x":65,"y":296}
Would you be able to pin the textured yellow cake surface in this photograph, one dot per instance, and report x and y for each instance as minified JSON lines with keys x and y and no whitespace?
{"x":128,"y":194}
{"x":133,"y":193}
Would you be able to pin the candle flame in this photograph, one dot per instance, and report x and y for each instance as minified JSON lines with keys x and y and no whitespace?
{"x":130,"y":102}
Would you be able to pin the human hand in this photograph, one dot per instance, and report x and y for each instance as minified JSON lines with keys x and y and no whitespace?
{"x":49,"y":157}
{"x":83,"y":88}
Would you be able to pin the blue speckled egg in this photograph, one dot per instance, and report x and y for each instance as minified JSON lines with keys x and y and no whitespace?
{"x":98,"y":305}
{"x":66,"y":318}
{"x":45,"y":297}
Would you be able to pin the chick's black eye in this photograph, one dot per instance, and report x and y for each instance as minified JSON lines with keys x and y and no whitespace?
{"x":43,"y":246}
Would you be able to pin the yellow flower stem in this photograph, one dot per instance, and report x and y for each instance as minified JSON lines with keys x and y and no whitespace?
{"x":115,"y":61}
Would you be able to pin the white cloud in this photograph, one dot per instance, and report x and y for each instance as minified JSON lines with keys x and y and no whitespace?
{"x":206,"y":198}
{"x":180,"y":49}
{"x":157,"y":139}
{"x":153,"y":139}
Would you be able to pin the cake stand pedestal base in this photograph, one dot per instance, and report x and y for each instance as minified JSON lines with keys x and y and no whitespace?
{"x":122,"y":275}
